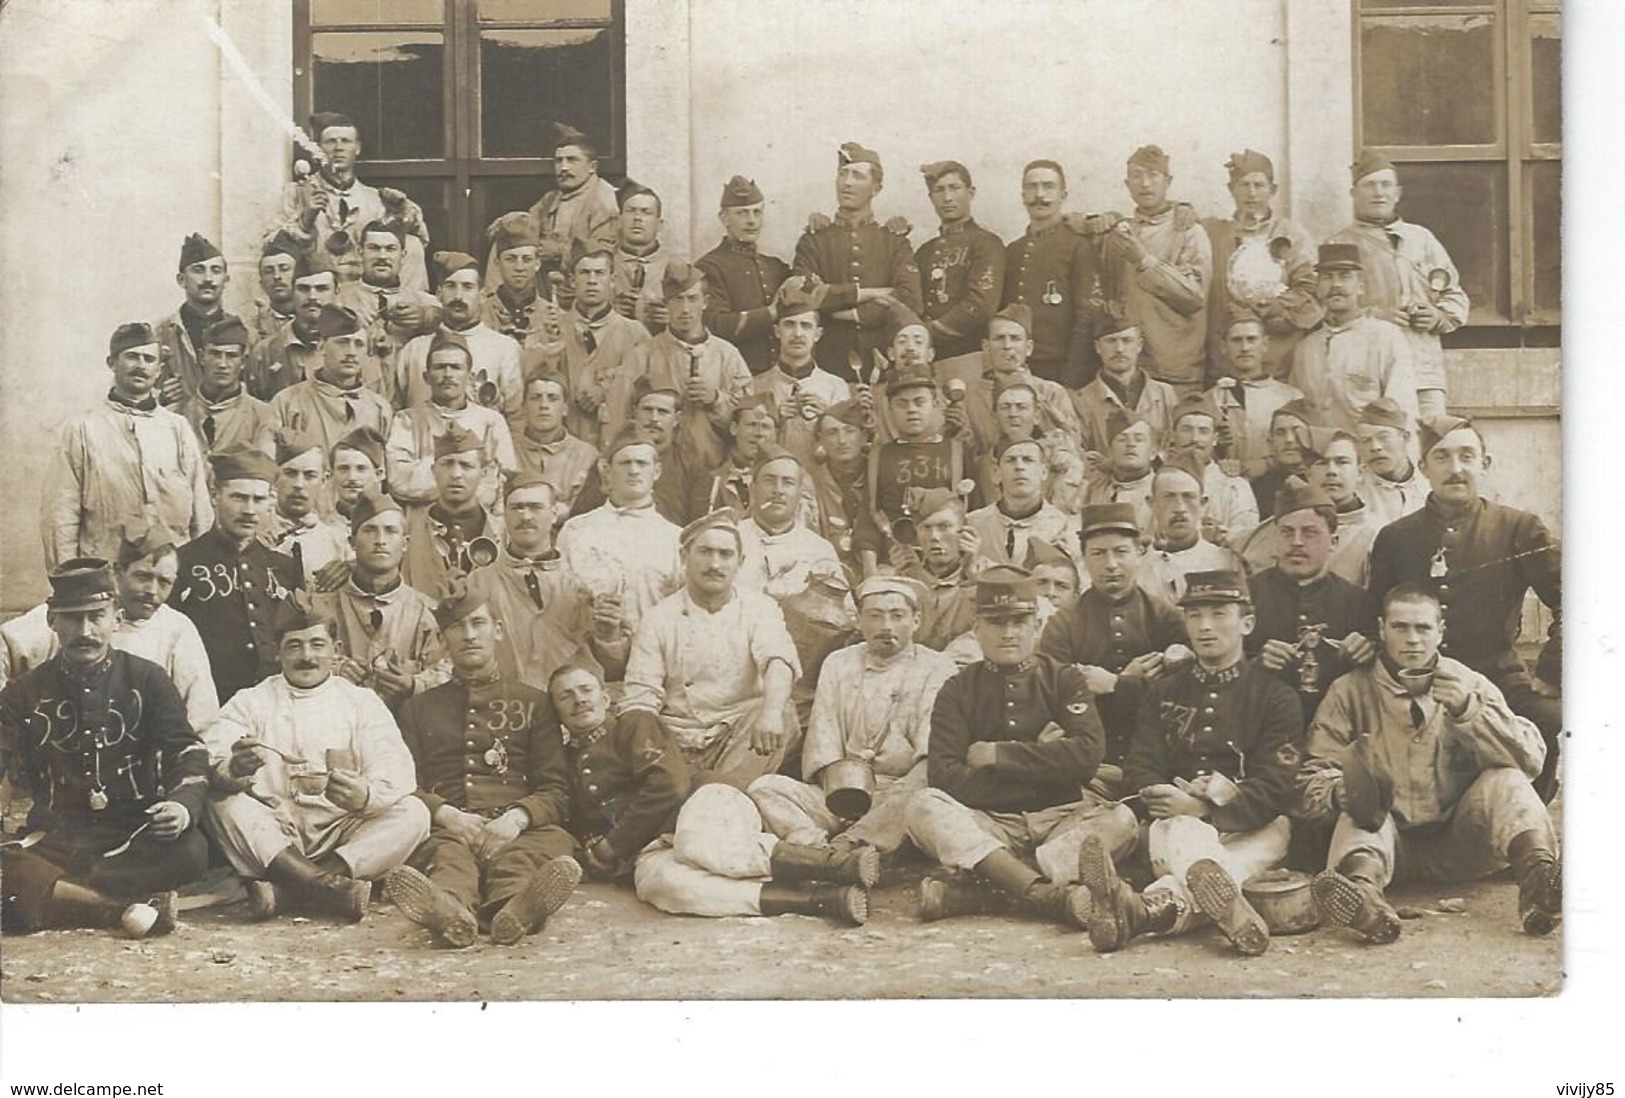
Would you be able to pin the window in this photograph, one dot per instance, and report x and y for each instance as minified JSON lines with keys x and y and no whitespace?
{"x":1466,"y":98}
{"x":456,"y":99}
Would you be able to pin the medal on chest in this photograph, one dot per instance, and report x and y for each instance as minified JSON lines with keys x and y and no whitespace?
{"x":1439,"y":566}
{"x":939,"y":283}
{"x":1052,"y":293}
{"x":98,"y":799}
{"x":496,"y":757}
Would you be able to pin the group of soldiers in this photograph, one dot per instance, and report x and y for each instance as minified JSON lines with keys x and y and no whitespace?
{"x":1140,"y":548}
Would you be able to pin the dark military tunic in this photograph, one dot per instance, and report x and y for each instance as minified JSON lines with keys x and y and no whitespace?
{"x":1330,"y":607}
{"x":1097,"y":632}
{"x":1240,"y":722}
{"x":628,"y":779}
{"x":486,"y":747}
{"x":740,"y":284}
{"x":1011,"y":706}
{"x":1056,"y":273}
{"x":851,"y":257}
{"x":95,"y":749}
{"x":232,"y":597}
{"x":961,"y":277}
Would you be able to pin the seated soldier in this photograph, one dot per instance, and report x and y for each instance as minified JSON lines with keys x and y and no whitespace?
{"x":1015,"y":417}
{"x":1393,"y":484}
{"x":291,"y":352}
{"x":1313,"y":626}
{"x":715,"y":663}
{"x":919,"y":457}
{"x":1335,"y":470}
{"x":222,"y":412}
{"x":627,"y":775}
{"x":1056,"y":576}
{"x":335,"y":399}
{"x":391,"y":313}
{"x":522,"y":305}
{"x":1123,"y":387}
{"x":872,"y":706}
{"x":1215,"y":792}
{"x":494,"y":378}
{"x":314,"y":786}
{"x":1021,"y":513}
{"x":779,"y":549}
{"x":492,"y":774}
{"x":1178,"y":506}
{"x":1005,"y":352}
{"x":1123,"y":637}
{"x":454,"y":532}
{"x":1231,"y":509}
{"x":543,"y":445}
{"x":1249,"y":399}
{"x":799,"y":388}
{"x":412,"y":433}
{"x":598,"y":343}
{"x":548,"y":617}
{"x":838,"y":476}
{"x":387,"y":638}
{"x":1428,"y":774}
{"x":144,"y":575}
{"x":114,"y":813}
{"x":1014,"y":739}
{"x":752,"y":425}
{"x":943,"y":559}
{"x":299,"y":526}
{"x":1127,"y":469}
{"x":1288,"y":439}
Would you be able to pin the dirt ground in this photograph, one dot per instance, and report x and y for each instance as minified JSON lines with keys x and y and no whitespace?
{"x":604,"y":944}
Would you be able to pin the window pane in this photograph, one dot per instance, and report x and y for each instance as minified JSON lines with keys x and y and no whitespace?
{"x":541,"y":11}
{"x":1373,"y":5}
{"x":1546,"y":77}
{"x":330,"y":12}
{"x":1466,"y":207}
{"x":1428,"y":80}
{"x":390,"y":83}
{"x":530,"y":79}
{"x":1546,"y":200}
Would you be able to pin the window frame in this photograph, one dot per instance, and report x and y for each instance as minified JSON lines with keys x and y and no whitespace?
{"x":461,"y":106}
{"x":1514,"y":148}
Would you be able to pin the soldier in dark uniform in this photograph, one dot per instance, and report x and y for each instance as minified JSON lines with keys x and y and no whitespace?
{"x":202,"y":277}
{"x":1216,"y":747}
{"x":627,"y":776}
{"x":1056,"y":273}
{"x":1313,"y":625}
{"x":741,"y":282}
{"x":229,"y":583}
{"x":99,"y":739}
{"x":1121,"y":635}
{"x":1481,"y":558}
{"x":491,"y":771}
{"x":862,"y":263}
{"x":962,"y":269}
{"x":1014,"y":737}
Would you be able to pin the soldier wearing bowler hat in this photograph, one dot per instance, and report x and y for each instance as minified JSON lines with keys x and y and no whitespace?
{"x":1215,"y":749}
{"x":99,"y":739}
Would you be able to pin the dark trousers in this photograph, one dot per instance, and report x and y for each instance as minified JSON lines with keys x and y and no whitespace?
{"x":73,"y":852}
{"x":483,"y":889}
{"x":1547,"y":715}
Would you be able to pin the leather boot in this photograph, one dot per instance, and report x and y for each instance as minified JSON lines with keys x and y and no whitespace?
{"x":1032,"y":893}
{"x":1116,"y":915}
{"x":1368,"y":792}
{"x":1540,"y":882}
{"x":544,"y":894}
{"x":263,"y":901}
{"x":1219,"y":898}
{"x":1350,"y":896}
{"x":325,"y":891}
{"x":427,"y":904}
{"x":845,"y":903}
{"x":73,"y":905}
{"x":946,"y":895}
{"x":859,"y":865}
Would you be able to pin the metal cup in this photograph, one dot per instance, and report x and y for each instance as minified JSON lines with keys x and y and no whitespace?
{"x":904,"y":532}
{"x":848,"y":788}
{"x":1416,"y":680}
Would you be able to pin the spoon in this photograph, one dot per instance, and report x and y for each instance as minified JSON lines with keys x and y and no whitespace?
{"x":297,"y":760}
{"x":125,"y":845}
{"x":23,"y":843}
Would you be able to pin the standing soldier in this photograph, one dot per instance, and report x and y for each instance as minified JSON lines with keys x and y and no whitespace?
{"x":202,"y":277}
{"x":1159,"y":272}
{"x":301,"y":527}
{"x":640,"y":259}
{"x":222,"y":412}
{"x":336,"y":400}
{"x":1262,"y":263}
{"x":128,"y":463}
{"x":494,"y":380}
{"x":1392,"y":484}
{"x":800,"y":389}
{"x":453,"y":531}
{"x":742,"y":283}
{"x":1409,"y":279}
{"x":492,"y":773}
{"x":598,"y":344}
{"x":961,"y":270}
{"x":273,"y":305}
{"x":292,"y":353}
{"x":523,"y":305}
{"x":228,"y":582}
{"x":99,"y":739}
{"x":581,"y":210}
{"x":862,"y":263}
{"x":1056,"y":274}
{"x":325,"y":210}
{"x":544,"y":445}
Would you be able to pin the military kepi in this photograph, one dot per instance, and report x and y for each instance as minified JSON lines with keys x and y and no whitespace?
{"x":1108,"y":518}
{"x":1221,"y":586}
{"x":1338,"y":257}
{"x":1004,"y":590}
{"x":81,"y":584}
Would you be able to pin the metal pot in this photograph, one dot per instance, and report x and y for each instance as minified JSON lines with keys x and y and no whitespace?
{"x":1282,"y":897}
{"x":848,"y":785}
